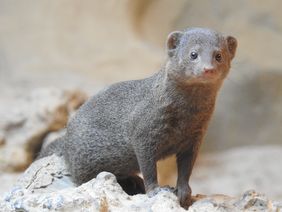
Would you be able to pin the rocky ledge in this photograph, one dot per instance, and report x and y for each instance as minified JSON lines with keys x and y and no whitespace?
{"x":46,"y":186}
{"x":26,"y":120}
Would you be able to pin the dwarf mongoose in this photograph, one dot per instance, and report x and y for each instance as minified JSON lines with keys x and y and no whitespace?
{"x":129,"y":126}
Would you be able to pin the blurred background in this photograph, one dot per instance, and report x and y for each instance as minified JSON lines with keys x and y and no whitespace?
{"x":50,"y":46}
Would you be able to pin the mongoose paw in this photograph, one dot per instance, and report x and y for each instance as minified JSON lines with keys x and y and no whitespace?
{"x":158,"y":189}
{"x":184,"y":196}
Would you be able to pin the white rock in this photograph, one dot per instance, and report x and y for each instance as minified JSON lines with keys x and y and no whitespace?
{"x":46,"y":186}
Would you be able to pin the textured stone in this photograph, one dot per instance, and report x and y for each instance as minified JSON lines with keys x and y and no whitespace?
{"x":26,"y":120}
{"x":46,"y":185}
{"x":7,"y":181}
{"x":249,"y":201}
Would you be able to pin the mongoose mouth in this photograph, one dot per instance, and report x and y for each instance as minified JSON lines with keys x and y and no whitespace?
{"x":210,"y":74}
{"x":204,"y":78}
{"x":207,"y":75}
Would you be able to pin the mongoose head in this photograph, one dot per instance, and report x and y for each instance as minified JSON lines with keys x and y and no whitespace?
{"x":199,"y":55}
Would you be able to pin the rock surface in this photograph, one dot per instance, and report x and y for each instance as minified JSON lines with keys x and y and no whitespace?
{"x":26,"y":120}
{"x":46,"y":186}
{"x":7,"y":181}
{"x":232,"y":171}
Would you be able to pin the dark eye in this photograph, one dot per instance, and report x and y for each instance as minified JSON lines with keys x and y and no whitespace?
{"x":194,"y":55}
{"x":218,"y":57}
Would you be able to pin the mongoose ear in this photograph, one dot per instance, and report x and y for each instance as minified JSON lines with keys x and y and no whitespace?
{"x":232,"y":45}
{"x":173,"y":41}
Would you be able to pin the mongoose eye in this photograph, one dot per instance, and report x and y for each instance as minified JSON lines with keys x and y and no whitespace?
{"x":194,"y":55}
{"x":218,"y":57}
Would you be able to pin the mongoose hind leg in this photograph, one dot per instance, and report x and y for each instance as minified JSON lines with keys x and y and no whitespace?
{"x":132,"y":185}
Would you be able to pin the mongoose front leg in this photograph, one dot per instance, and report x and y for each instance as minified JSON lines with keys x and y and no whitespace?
{"x":148,"y":167}
{"x":185,"y":163}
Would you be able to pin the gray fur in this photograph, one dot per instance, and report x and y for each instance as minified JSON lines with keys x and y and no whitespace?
{"x":129,"y":126}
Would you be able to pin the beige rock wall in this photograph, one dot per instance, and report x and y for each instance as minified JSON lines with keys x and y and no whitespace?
{"x":93,"y":38}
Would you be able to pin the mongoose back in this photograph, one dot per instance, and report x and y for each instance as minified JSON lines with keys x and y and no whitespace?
{"x":129,"y":126}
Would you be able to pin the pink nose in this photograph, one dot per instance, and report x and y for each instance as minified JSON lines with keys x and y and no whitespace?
{"x":209,"y":70}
